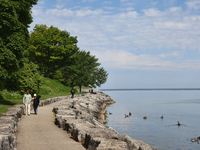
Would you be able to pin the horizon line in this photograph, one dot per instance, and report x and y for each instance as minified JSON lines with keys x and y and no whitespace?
{"x":123,"y":89}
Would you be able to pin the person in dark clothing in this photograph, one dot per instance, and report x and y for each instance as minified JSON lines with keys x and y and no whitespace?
{"x":73,"y":92}
{"x":36,"y":101}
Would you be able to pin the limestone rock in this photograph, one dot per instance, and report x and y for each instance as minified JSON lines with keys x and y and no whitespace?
{"x":82,"y":117}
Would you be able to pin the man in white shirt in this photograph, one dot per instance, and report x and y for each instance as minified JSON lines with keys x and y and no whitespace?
{"x":27,"y":102}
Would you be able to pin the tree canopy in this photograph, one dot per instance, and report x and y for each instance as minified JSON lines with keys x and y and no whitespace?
{"x":58,"y":57}
{"x":46,"y":51}
{"x":85,"y":71}
{"x":15,"y":17}
{"x":51,"y":48}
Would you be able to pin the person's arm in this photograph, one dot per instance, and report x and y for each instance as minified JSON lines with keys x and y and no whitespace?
{"x":30,"y":99}
{"x":24,"y":99}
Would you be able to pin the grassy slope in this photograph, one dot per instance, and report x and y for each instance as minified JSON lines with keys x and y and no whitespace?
{"x":50,"y":88}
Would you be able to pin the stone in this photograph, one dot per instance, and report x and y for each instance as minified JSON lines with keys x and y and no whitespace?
{"x":83,"y":118}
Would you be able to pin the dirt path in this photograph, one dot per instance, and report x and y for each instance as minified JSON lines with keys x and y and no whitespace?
{"x":38,"y":132}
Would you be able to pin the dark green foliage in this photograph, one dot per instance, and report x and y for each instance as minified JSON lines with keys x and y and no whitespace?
{"x":15,"y":15}
{"x":51,"y":49}
{"x":58,"y":76}
{"x":27,"y":78}
{"x":84,"y":71}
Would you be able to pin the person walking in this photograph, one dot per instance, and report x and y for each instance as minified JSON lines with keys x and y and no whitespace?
{"x":72,"y":92}
{"x":36,"y":101}
{"x":27,"y":102}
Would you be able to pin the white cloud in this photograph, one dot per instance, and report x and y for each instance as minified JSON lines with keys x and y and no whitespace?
{"x":193,"y":4}
{"x":175,"y":9}
{"x":130,"y":8}
{"x":166,"y":34}
{"x":173,"y":54}
{"x":130,"y":14}
{"x":153,"y":12}
{"x":59,"y":6}
{"x":59,"y":13}
{"x":110,"y":8}
{"x":126,"y":60}
{"x":171,"y":25}
{"x":82,"y":13}
{"x":107,"y":2}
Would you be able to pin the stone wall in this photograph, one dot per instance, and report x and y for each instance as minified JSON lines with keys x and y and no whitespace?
{"x":8,"y":122}
{"x":83,"y":118}
{"x":88,"y":90}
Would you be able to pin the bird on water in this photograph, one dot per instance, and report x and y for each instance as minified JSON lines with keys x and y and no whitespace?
{"x":144,"y":117}
{"x":126,"y":115}
{"x":178,"y":123}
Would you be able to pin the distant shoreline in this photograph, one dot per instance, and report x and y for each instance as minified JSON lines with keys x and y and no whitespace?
{"x":152,"y":89}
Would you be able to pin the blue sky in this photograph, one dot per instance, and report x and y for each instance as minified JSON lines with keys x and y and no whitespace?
{"x":141,"y":43}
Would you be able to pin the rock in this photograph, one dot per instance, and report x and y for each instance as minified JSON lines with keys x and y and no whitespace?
{"x":83,"y":118}
{"x":7,"y":142}
{"x":8,"y":122}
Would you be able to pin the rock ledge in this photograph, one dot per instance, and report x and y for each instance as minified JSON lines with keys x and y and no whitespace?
{"x":83,"y":118}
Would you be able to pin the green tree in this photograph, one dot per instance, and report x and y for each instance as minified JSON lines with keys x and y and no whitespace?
{"x":51,"y":48}
{"x":27,"y":78}
{"x":15,"y":17}
{"x":85,"y":71}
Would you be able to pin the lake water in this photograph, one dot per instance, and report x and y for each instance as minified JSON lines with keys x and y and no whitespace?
{"x":163,"y":134}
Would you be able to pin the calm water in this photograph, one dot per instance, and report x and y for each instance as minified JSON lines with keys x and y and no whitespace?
{"x":164,"y":134}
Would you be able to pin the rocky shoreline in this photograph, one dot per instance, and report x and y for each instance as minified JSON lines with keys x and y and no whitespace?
{"x":83,"y":118}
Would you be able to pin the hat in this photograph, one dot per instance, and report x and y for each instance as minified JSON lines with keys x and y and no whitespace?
{"x":27,"y":91}
{"x":35,"y":95}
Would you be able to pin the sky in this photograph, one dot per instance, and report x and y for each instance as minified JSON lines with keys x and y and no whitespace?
{"x":140,"y":43}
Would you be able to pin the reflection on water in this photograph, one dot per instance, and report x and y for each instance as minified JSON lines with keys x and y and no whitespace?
{"x":164,"y":134}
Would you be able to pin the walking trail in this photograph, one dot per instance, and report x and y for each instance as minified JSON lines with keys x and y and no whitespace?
{"x":38,"y":132}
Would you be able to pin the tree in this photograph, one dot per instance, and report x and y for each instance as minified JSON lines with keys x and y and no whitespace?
{"x":51,"y":48}
{"x":84,"y":71}
{"x":15,"y":16}
{"x":27,"y":78}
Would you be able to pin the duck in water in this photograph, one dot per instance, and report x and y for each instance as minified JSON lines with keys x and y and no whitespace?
{"x":178,"y":123}
{"x":161,"y":117}
{"x":126,"y":115}
{"x":195,"y":140}
{"x":144,"y":117}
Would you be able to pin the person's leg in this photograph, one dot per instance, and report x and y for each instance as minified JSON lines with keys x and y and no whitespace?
{"x":36,"y":109}
{"x":29,"y":109}
{"x":26,"y":108}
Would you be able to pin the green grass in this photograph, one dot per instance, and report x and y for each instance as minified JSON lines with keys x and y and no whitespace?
{"x":49,"y":88}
